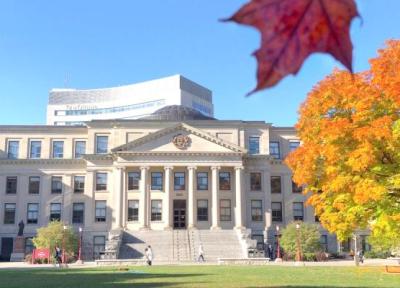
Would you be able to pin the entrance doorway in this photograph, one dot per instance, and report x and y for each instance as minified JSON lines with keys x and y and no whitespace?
{"x":6,"y":248}
{"x":179,"y":214}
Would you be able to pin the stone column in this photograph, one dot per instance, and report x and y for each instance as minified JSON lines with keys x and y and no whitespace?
{"x":191,"y":196}
{"x":167,"y":198}
{"x":215,"y":198}
{"x":266,"y":186}
{"x":124,"y":198}
{"x":143,"y":199}
{"x":239,"y":198}
{"x":118,"y":172}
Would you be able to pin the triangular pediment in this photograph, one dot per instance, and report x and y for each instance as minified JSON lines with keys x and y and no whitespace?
{"x":179,"y":138}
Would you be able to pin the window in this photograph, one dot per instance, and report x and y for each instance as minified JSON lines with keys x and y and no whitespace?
{"x":202,"y":181}
{"x":55,"y":212}
{"x":298,"y":211}
{"x":35,"y":149}
{"x":156,"y":181}
{"x":80,"y":149}
{"x":133,"y":210}
{"x":202,"y":210}
{"x":78,"y":212}
{"x":255,"y":181}
{"x":276,"y":186}
{"x":58,"y":149}
{"x":79,"y":184}
{"x":11,"y":185}
{"x":56,"y":184}
{"x":295,"y":188}
{"x":256,"y":210}
{"x":99,"y":245}
{"x":101,"y":181}
{"x":179,"y":181}
{"x":34,"y":185}
{"x":101,"y":210}
{"x":9,"y":213}
{"x":33,"y":213}
{"x":254,"y":145}
{"x":276,"y":208}
{"x":274,"y":150}
{"x":156,"y":210}
{"x":224,"y":181}
{"x":29,"y":245}
{"x":293,"y":145}
{"x":133,"y":180}
{"x":260,"y":241}
{"x":225,"y":210}
{"x":324,"y":242}
{"x":101,"y":144}
{"x":13,"y":149}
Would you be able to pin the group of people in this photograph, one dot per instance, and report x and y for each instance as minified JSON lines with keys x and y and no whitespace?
{"x":148,"y":255}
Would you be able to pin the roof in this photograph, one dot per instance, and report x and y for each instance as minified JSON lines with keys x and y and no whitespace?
{"x":177,"y":113}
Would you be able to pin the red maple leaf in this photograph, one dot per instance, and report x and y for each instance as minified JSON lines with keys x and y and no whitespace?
{"x":291,"y":30}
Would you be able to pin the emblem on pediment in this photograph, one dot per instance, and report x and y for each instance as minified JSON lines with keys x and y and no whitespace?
{"x":181,"y":141}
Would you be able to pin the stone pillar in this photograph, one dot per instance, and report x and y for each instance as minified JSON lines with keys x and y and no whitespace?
{"x":215,"y":198}
{"x":238,"y":198}
{"x":117,"y":212}
{"x":167,"y":198}
{"x":124,"y":198}
{"x":143,"y":199}
{"x":266,"y":186}
{"x":191,"y":196}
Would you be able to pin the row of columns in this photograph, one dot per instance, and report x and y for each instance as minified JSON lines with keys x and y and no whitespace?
{"x":120,"y":198}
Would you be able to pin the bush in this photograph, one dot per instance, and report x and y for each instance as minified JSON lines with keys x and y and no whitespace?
{"x":377,"y":254}
{"x":28,"y":258}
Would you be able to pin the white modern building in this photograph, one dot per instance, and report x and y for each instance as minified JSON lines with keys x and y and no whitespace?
{"x":74,"y":107}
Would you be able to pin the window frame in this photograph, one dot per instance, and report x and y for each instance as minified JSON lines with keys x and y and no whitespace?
{"x":155,"y":186}
{"x":179,"y":187}
{"x":98,"y":248}
{"x":223,"y":216}
{"x":278,"y":147}
{"x":5,"y":214}
{"x":291,"y":147}
{"x":254,"y":187}
{"x":79,"y":190}
{"x":133,"y":212}
{"x":56,"y":190}
{"x":101,"y":186}
{"x":100,"y":213}
{"x":101,"y":150}
{"x":54,"y":153}
{"x":257,"y":150}
{"x":276,"y":215}
{"x":30,"y":220}
{"x":131,"y":183}
{"x":156,"y":212}
{"x":296,"y":189}
{"x":296,"y":217}
{"x":202,"y":212}
{"x":8,"y":149}
{"x":76,"y":154}
{"x":30,"y":186}
{"x":198,"y":183}
{"x":256,"y":212}
{"x":51,"y":218}
{"x":74,"y":211}
{"x":31,"y":153}
{"x":280,"y":184}
{"x":221,"y":185}
{"x":13,"y":189}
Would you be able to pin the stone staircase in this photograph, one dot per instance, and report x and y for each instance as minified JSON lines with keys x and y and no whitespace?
{"x":181,"y":246}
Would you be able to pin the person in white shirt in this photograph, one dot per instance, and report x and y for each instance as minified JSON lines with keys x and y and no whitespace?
{"x":201,"y":254}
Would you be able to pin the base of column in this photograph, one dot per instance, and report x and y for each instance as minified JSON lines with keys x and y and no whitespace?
{"x":144,"y":228}
{"x":240,"y":228}
{"x":215,"y":228}
{"x":167,"y":228}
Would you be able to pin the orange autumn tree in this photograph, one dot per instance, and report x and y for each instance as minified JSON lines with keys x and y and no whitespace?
{"x":349,"y":161}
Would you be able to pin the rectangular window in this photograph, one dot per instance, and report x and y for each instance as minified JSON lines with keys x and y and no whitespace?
{"x":133,"y":210}
{"x":276,"y":208}
{"x":202,"y":181}
{"x":298,"y":211}
{"x":324,"y":242}
{"x":99,"y":245}
{"x":56,"y":184}
{"x":133,"y":180}
{"x":101,"y":210}
{"x":78,"y":212}
{"x":274,"y":149}
{"x":33,"y":213}
{"x":156,"y":181}
{"x":293,"y":145}
{"x":34,"y":185}
{"x":55,"y":212}
{"x":156,"y":210}
{"x":224,"y":181}
{"x":101,"y":181}
{"x":256,"y":210}
{"x":179,"y":181}
{"x":101,"y":144}
{"x":254,"y":145}
{"x":79,"y":184}
{"x":13,"y":149}
{"x":296,"y":188}
{"x":225,"y":209}
{"x":58,"y":149}
{"x":255,"y":181}
{"x":80,"y":149}
{"x":35,"y":149}
{"x":11,"y":185}
{"x":202,"y":210}
{"x":9,"y":213}
{"x":276,"y":184}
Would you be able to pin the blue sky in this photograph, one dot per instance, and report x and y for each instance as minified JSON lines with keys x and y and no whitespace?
{"x":103,"y":43}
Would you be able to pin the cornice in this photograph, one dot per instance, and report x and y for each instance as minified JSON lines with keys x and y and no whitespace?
{"x":99,"y":157}
{"x":42,"y":162}
{"x":177,"y":153}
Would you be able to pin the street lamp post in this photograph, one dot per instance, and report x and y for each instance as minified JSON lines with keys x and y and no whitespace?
{"x":298,"y":252}
{"x":63,"y":244}
{"x":278,"y":248}
{"x":80,"y":247}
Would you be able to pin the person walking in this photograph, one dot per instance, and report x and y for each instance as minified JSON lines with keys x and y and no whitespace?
{"x":57,"y":256}
{"x":149,"y":255}
{"x":201,"y":254}
{"x":270,"y":252}
{"x":360,"y":255}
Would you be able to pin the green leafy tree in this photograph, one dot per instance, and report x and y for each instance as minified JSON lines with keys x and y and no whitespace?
{"x":309,"y":238}
{"x":54,"y":234}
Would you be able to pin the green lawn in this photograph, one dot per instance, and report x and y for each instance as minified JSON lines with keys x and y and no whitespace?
{"x":201,"y":276}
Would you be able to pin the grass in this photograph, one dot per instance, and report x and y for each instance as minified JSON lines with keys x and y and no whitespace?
{"x":201,"y":276}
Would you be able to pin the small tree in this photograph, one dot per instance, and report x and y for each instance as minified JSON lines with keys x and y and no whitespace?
{"x":54,"y":234}
{"x":309,"y":238}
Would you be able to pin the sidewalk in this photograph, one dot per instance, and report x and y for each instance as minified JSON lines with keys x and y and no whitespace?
{"x":23,"y":265}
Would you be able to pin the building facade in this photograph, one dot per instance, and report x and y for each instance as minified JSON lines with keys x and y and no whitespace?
{"x":74,"y":107}
{"x":160,"y":173}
